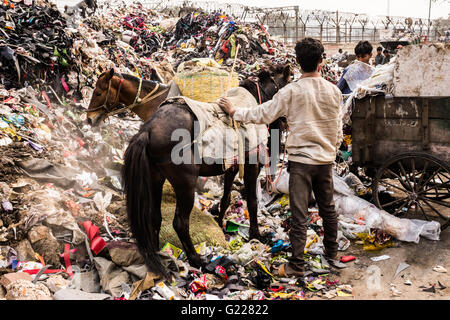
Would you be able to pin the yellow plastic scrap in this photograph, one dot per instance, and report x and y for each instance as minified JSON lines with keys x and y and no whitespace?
{"x":201,"y":248}
{"x":370,"y":244}
{"x":264,"y":268}
{"x":312,"y":285}
{"x":282,"y":295}
{"x":284,"y":201}
{"x":344,"y":291}
{"x":309,"y":241}
{"x":12,"y":133}
{"x":348,"y":139}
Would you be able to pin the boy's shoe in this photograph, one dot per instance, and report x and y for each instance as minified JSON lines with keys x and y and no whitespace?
{"x":327,"y":262}
{"x":286,"y":271}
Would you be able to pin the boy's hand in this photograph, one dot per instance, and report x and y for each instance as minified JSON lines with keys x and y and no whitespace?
{"x":226,"y":106}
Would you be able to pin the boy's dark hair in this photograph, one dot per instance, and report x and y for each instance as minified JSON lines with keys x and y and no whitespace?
{"x":386,"y":51}
{"x":340,"y":50}
{"x":309,"y":54}
{"x":363,"y":48}
{"x":380,"y":49}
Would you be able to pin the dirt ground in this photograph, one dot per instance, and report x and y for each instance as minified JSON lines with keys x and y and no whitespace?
{"x":362,"y":273}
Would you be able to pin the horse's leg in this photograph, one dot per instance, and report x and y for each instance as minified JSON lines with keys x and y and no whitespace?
{"x":157,"y":189}
{"x":230,"y":174}
{"x":183,"y":179}
{"x":251,"y":172}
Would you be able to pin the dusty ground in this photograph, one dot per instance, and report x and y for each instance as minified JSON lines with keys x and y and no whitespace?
{"x":362,"y":272}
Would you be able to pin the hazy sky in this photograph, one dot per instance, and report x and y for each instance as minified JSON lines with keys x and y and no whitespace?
{"x":403,"y":8}
{"x":406,"y":8}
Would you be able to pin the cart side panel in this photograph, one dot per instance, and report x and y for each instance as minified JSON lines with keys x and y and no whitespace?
{"x":384,"y":127}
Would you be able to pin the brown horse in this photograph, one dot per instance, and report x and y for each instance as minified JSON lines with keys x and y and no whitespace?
{"x":148,"y":163}
{"x":113,"y":90}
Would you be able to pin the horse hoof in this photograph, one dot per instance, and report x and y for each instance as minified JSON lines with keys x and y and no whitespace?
{"x":198,"y":262}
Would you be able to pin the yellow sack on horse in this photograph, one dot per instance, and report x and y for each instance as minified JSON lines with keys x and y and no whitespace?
{"x":204,"y":80}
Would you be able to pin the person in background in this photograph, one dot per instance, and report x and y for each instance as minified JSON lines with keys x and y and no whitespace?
{"x":387,"y":56}
{"x":312,"y":106}
{"x":359,"y":70}
{"x":379,"y":57}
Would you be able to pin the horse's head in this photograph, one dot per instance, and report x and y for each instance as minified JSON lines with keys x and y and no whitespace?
{"x":268,"y":82}
{"x":104,"y":98}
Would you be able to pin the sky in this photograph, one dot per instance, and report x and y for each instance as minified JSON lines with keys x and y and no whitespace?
{"x":402,"y":8}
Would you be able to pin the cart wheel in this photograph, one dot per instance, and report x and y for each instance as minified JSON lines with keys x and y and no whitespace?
{"x":414,"y":185}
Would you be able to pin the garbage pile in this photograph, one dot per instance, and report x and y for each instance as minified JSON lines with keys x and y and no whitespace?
{"x":34,"y":49}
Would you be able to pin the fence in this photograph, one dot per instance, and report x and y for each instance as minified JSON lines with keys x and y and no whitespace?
{"x":292,"y":23}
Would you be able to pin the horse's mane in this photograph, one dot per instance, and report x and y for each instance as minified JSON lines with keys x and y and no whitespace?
{"x":133,"y":79}
{"x":136,"y":79}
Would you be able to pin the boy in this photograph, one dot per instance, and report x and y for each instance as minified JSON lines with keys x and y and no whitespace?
{"x":311,"y":106}
{"x":359,"y":70}
{"x":379,"y":57}
{"x":387,"y":57}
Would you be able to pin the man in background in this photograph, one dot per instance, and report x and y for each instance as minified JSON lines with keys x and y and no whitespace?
{"x":379,"y":57}
{"x":359,"y":70}
{"x":387,"y":56}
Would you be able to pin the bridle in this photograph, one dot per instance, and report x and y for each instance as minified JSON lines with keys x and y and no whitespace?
{"x":137,"y":100}
{"x":256,"y":81}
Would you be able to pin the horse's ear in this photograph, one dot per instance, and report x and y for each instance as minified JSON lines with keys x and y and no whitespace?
{"x":287,"y":72}
{"x":110,"y":74}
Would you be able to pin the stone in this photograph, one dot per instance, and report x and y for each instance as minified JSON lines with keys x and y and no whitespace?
{"x":56,"y":282}
{"x":74,"y":294}
{"x":44,"y":243}
{"x":124,"y":254}
{"x":38,"y":233}
{"x":27,"y":290}
{"x":9,"y":278}
{"x":87,"y":281}
{"x":25,"y":251}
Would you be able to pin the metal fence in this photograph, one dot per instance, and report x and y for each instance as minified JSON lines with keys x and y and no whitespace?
{"x":292,"y":23}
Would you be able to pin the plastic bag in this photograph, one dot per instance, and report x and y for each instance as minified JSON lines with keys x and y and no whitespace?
{"x":356,"y":73}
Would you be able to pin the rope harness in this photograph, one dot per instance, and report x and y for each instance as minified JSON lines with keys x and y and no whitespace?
{"x":137,"y":100}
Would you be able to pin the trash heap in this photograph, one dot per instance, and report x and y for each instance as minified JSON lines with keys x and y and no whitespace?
{"x":331,"y":71}
{"x":34,"y":49}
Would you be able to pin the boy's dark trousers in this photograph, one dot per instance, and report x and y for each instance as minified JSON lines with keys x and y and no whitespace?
{"x":303,"y":179}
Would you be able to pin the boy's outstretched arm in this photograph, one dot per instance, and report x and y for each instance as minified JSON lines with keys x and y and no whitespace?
{"x":265,"y":113}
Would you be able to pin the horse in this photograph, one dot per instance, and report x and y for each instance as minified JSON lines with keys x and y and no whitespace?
{"x":147,"y":161}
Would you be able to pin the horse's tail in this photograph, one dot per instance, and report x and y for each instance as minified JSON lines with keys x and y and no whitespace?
{"x":136,"y":178}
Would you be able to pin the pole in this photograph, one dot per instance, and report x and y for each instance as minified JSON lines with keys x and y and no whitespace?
{"x":338,"y":36}
{"x":429,"y":21}
{"x":296,"y":24}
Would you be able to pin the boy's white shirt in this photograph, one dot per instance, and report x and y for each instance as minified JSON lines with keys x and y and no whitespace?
{"x":313,"y":109}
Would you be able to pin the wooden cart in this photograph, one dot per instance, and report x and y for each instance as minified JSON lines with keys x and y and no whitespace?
{"x":404,"y":144}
